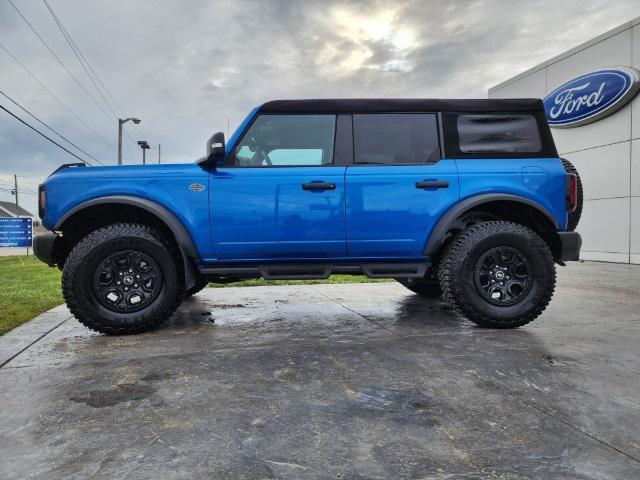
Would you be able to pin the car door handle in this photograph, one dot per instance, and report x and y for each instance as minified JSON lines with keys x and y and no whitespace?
{"x":318,"y":186}
{"x":433,"y":184}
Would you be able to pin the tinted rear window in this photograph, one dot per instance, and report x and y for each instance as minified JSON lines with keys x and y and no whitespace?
{"x":392,"y":139}
{"x":498,"y":133}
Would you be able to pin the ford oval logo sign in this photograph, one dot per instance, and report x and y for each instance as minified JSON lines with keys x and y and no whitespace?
{"x":591,"y":96}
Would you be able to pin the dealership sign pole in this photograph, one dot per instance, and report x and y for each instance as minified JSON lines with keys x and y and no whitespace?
{"x":591,"y":97}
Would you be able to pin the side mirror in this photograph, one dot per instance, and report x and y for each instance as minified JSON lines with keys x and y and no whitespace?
{"x":216,"y":148}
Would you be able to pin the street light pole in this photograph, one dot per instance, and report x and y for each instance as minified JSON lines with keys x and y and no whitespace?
{"x":144,"y":146}
{"x":120,"y":123}
{"x":158,"y":154}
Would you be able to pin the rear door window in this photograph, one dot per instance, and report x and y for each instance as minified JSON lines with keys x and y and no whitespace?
{"x":498,"y":133}
{"x":395,"y":138}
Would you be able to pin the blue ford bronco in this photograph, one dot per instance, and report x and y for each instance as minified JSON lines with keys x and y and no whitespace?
{"x":464,"y":199}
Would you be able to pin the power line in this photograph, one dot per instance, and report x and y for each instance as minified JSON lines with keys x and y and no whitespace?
{"x":9,"y":177}
{"x":59,"y":60}
{"x":11,"y":188}
{"x":42,"y":134}
{"x":6,"y":183}
{"x":50,"y":128}
{"x":78,"y":55}
{"x":36,"y":179}
{"x":88,"y":68}
{"x":22,"y":192}
{"x":15,"y":59}
{"x":10,"y":185}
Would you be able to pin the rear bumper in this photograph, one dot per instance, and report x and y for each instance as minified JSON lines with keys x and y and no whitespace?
{"x":571,"y":243}
{"x":44,"y":246}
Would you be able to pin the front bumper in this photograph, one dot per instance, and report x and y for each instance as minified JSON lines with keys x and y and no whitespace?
{"x":44,"y":247}
{"x":571,"y":243}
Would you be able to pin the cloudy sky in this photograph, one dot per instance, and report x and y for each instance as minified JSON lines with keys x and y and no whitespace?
{"x":185,"y":67}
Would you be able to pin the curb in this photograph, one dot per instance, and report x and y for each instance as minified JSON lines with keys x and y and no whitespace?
{"x":19,"y":339}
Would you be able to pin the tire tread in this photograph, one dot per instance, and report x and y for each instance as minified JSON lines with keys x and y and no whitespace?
{"x":148,"y":320}
{"x":456,"y":253}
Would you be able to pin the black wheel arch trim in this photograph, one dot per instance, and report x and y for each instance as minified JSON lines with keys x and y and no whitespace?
{"x":438,"y":234}
{"x":182,"y":237}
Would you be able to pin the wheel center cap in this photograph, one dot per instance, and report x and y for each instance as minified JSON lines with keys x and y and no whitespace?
{"x":128,"y":280}
{"x":499,"y":274}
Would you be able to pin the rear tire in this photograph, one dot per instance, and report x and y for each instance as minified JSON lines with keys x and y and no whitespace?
{"x":425,"y":287}
{"x":498,"y":274}
{"x":123,"y":279}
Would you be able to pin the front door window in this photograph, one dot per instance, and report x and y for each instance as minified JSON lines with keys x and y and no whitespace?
{"x":286,"y":140}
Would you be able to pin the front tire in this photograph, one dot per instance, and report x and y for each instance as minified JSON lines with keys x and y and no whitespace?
{"x":201,"y":282}
{"x":498,"y":274}
{"x":123,"y":279}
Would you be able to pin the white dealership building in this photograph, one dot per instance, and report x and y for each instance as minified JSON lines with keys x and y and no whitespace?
{"x":605,"y":151}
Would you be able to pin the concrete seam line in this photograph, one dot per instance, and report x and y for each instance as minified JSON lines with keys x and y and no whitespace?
{"x":577,"y":429}
{"x":35,"y":341}
{"x":357,"y":313}
{"x":564,"y":422}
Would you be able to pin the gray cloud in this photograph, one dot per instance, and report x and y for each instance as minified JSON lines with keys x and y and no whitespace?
{"x":185,"y":67}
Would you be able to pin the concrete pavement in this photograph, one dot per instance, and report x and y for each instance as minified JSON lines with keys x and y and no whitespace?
{"x":332,"y":381}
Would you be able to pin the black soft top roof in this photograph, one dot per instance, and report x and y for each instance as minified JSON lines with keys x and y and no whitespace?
{"x":366,"y":105}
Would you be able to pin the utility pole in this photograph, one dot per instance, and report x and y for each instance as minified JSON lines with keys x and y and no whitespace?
{"x":15,"y":183}
{"x":227,"y":127}
{"x":120,"y":123}
{"x":158,"y":154}
{"x":15,"y":192}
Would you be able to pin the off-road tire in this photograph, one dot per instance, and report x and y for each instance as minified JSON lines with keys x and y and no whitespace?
{"x":457,"y":274}
{"x":574,"y":217}
{"x":201,"y":282}
{"x":425,"y":287}
{"x":84,"y":259}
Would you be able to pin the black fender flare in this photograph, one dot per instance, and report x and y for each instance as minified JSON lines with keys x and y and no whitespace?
{"x":437,"y":236}
{"x":182,"y":237}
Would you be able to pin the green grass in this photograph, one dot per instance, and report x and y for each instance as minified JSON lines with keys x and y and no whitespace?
{"x":28,"y":287}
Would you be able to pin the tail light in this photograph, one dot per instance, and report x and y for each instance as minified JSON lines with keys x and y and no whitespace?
{"x":42,"y":200}
{"x":572,"y":191}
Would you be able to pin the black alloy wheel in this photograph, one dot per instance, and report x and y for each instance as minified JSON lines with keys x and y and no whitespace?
{"x":127,"y":281}
{"x":503,"y":276}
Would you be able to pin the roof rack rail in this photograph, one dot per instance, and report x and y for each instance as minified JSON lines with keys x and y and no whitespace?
{"x":68,"y":165}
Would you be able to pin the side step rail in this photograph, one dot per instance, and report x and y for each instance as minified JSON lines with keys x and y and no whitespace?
{"x":393,"y":270}
{"x":316,"y":271}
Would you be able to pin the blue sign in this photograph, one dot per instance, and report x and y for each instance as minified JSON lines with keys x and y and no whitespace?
{"x":16,"y":232}
{"x":591,"y":96}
